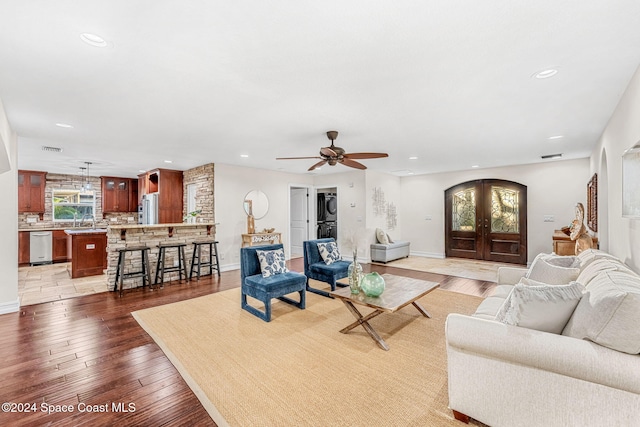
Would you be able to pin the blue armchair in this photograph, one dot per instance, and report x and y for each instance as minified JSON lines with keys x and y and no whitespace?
{"x":267,"y":288}
{"x":316,"y":268}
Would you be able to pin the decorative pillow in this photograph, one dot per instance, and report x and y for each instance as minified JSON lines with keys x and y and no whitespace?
{"x":389,"y":239}
{"x":609,"y":313}
{"x":549,"y":269}
{"x":272,"y":262}
{"x":329,"y":252}
{"x":542,"y":307}
{"x":382,"y":237}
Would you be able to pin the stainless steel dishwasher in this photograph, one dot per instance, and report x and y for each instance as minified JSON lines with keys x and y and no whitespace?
{"x":40,"y":247}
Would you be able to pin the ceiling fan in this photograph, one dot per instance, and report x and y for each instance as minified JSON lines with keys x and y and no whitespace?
{"x":334,"y":155}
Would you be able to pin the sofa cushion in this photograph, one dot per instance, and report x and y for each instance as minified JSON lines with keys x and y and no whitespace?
{"x":597,"y":266}
{"x":590,"y":255}
{"x":553,"y":269}
{"x":381,"y":236}
{"x":272,"y":262}
{"x":542,"y":307}
{"x":609,"y":313}
{"x":489,"y":307}
{"x":329,"y":252}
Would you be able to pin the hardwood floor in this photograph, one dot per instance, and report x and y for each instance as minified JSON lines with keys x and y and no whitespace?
{"x":90,"y":354}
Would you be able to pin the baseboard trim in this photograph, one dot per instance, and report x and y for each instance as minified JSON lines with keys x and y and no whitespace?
{"x":10,"y":307}
{"x":427,"y":254}
{"x":230,"y":267}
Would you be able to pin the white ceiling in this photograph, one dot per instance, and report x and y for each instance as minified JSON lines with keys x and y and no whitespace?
{"x":202,"y":81}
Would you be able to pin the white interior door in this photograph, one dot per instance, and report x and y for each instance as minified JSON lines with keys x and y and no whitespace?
{"x":299,"y":231}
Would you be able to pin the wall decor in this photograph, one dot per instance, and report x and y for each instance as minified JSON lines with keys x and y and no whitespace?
{"x":379,"y":205}
{"x":631,"y":183}
{"x":392,"y":216}
{"x":592,"y":203}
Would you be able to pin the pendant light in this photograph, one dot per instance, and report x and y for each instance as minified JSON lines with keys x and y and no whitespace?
{"x":87,"y":186}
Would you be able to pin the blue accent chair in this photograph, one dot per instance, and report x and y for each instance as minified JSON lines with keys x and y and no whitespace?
{"x":265,"y":289}
{"x":316,"y":268}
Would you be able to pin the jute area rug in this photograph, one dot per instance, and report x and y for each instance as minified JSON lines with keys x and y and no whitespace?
{"x":467,"y":268}
{"x":299,"y":370}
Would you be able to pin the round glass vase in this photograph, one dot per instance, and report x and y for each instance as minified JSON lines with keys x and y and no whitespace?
{"x":354,"y":273}
{"x":372,"y":284}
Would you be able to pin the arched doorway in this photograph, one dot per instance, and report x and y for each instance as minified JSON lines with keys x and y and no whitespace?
{"x":486,"y":219}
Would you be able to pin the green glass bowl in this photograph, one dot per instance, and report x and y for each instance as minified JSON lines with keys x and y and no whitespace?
{"x":372,"y":284}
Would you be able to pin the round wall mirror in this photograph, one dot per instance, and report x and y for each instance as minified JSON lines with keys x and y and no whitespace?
{"x":256,"y":203}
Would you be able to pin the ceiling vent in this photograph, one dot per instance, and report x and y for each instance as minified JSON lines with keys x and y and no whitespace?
{"x":53,"y":149}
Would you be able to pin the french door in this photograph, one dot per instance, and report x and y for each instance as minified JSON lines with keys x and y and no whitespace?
{"x":487,"y":220}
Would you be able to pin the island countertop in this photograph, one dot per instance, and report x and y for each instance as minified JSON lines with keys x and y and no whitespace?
{"x":176,"y":224}
{"x":72,"y":231}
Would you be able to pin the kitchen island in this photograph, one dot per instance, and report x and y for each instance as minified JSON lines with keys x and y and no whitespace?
{"x":87,"y":250}
{"x":121,"y":236}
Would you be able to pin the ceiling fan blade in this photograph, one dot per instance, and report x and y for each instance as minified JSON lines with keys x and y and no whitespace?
{"x":294,"y":158}
{"x":352,"y":163}
{"x":365,"y":155}
{"x":327,"y":151}
{"x":317,"y":165}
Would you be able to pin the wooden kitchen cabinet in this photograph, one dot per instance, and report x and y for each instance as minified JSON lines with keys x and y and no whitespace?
{"x":168,"y":184}
{"x":88,"y":252}
{"x":119,"y":194}
{"x":59,"y":250}
{"x":31,"y":185}
{"x":24,"y":247}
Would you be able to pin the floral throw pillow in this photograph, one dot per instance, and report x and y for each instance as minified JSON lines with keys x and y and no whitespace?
{"x":329,"y":252}
{"x":272,"y":262}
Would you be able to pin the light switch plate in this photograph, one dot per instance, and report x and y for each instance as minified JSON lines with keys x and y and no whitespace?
{"x":549,"y":218}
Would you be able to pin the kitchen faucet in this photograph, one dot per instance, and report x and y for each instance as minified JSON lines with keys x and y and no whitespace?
{"x":88,"y":216}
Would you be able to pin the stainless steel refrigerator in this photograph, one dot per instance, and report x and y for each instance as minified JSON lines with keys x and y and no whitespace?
{"x":150,"y":208}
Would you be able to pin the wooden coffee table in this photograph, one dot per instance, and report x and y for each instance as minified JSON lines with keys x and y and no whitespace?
{"x":399,"y":292}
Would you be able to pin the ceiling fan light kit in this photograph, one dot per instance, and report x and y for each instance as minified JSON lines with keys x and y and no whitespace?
{"x":334,"y":155}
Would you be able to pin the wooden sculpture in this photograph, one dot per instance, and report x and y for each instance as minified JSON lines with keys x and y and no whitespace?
{"x":579,"y":231}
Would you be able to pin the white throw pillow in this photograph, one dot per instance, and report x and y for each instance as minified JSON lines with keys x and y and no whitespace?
{"x":597,"y":266}
{"x":586,"y":257}
{"x":609,"y":313}
{"x":542,"y":307}
{"x":329,"y":252}
{"x":272,"y":262}
{"x":381,"y":236}
{"x":553,"y":269}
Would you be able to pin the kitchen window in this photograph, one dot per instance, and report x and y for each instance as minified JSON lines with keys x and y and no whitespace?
{"x":70,"y":203}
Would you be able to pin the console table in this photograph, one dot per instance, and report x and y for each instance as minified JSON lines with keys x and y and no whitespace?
{"x":563,"y":245}
{"x":257,"y":239}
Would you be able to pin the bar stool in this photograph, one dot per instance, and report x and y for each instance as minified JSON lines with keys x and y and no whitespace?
{"x":144,"y":272}
{"x":161,"y":268}
{"x":196,"y":258}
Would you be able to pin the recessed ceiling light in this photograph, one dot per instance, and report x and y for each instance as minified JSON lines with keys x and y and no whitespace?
{"x":413,"y":158}
{"x":556,"y":137}
{"x":93,"y":40}
{"x":64,"y":125}
{"x":409,"y":173}
{"x":475,"y":166}
{"x":244,"y":155}
{"x":545,"y":74}
{"x":168,"y":161}
{"x":552,"y":156}
{"x":141,"y":170}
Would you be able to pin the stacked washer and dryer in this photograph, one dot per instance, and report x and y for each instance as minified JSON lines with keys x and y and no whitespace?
{"x":327,"y":215}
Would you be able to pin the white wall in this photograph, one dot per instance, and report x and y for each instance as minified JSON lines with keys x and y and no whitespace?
{"x":8,"y":218}
{"x":621,"y":133}
{"x":231,"y":184}
{"x":552,"y":189}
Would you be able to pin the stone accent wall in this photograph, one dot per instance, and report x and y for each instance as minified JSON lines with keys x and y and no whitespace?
{"x":202,"y":177}
{"x":151,"y":237}
{"x":73,"y":182}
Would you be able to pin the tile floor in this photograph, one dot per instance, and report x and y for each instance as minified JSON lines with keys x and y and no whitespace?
{"x":45,"y":283}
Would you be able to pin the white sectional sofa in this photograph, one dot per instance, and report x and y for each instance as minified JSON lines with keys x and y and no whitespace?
{"x":504,"y":374}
